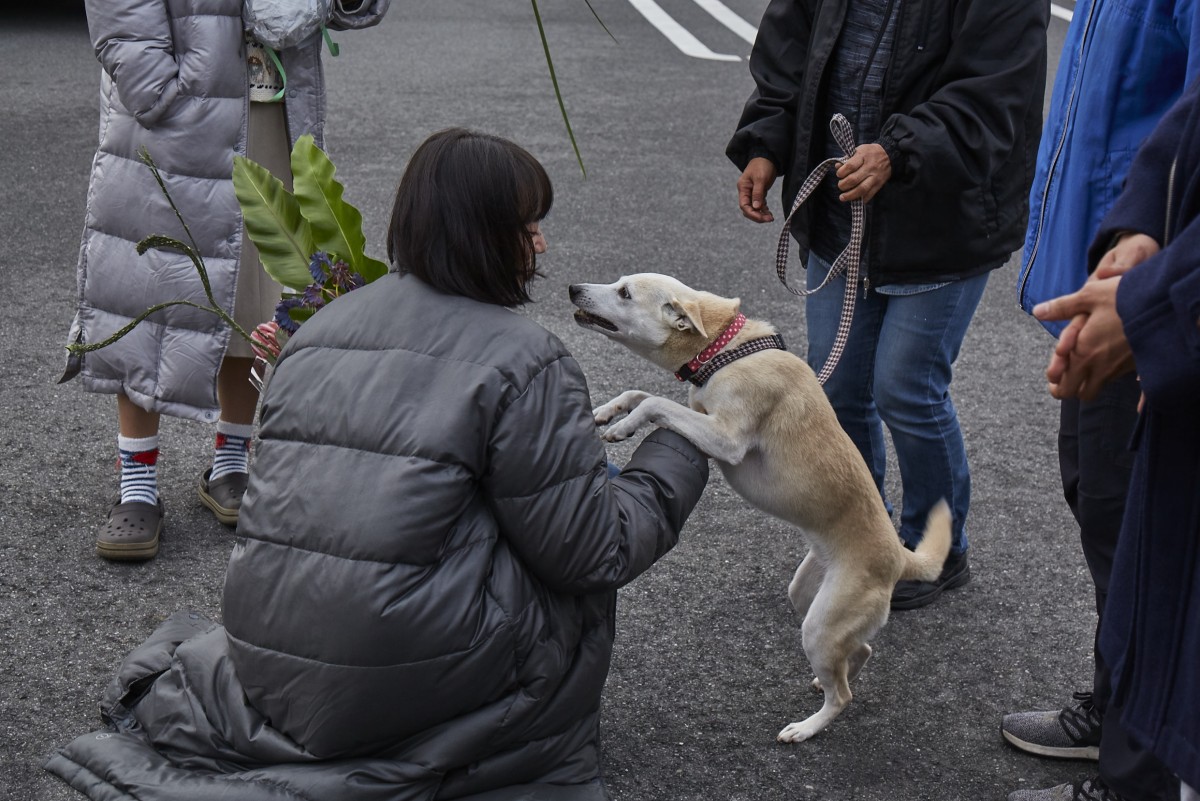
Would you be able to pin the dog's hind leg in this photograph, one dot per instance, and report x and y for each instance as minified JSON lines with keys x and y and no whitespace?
{"x":833,"y":679}
{"x":835,"y":640}
{"x":857,"y":660}
{"x":803,"y":589}
{"x":805,"y":583}
{"x":854,"y":667}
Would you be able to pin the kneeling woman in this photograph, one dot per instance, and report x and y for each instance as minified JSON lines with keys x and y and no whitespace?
{"x":421,"y":601}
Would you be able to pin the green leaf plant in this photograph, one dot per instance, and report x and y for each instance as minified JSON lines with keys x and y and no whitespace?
{"x":156,"y":241}
{"x":311,"y":241}
{"x":289,"y":227}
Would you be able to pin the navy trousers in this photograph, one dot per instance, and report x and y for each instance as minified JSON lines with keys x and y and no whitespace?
{"x":1096,"y":462}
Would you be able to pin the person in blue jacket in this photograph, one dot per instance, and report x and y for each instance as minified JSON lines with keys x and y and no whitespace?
{"x":1122,"y":67}
{"x":1146,"y":317}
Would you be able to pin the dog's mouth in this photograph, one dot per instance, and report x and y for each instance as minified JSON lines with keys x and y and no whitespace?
{"x":586,"y":318}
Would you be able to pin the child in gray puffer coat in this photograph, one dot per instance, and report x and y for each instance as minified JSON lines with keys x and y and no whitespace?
{"x":186,"y":81}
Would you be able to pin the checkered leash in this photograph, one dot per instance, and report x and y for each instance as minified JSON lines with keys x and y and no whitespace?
{"x":848,"y":261}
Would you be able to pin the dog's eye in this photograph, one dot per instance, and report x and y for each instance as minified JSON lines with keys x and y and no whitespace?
{"x":623,"y":293}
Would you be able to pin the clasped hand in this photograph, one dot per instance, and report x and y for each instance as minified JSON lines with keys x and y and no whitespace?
{"x":1093,"y":348}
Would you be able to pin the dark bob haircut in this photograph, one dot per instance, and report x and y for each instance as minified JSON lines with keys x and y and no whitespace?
{"x":461,"y":216}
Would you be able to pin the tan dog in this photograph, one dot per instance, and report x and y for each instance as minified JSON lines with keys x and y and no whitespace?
{"x":766,"y":421}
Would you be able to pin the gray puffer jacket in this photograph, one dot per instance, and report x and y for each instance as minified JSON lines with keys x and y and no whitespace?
{"x":175,"y":82}
{"x":421,"y":602}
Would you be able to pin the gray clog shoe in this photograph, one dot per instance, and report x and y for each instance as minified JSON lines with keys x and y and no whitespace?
{"x":224,"y":495}
{"x":132,"y":531}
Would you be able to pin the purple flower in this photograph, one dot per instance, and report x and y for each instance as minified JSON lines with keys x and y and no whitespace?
{"x":320,"y":266}
{"x":343,"y":278}
{"x":283,"y":314}
{"x":314,"y":296}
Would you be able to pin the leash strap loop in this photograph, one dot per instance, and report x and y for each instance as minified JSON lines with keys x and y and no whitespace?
{"x":848,"y":261}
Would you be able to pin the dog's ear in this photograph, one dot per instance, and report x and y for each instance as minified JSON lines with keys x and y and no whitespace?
{"x":686,"y":316}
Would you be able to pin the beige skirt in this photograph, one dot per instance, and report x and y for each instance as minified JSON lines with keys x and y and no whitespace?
{"x":257,"y":293}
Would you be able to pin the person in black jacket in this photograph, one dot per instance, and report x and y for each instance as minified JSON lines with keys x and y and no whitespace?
{"x":945,"y":101}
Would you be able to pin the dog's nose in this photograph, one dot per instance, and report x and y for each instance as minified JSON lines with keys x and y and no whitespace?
{"x":574,"y":290}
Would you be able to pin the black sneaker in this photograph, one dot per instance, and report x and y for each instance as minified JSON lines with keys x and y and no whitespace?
{"x":1072,"y":733}
{"x":1093,"y":789}
{"x":911,"y":594}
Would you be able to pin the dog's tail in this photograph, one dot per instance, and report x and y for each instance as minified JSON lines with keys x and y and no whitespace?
{"x":925,"y":563}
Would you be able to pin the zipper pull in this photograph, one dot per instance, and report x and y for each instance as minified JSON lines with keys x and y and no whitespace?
{"x":866,"y":286}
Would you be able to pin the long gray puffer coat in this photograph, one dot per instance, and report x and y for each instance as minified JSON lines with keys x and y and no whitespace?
{"x":421,"y":601}
{"x":175,"y":81}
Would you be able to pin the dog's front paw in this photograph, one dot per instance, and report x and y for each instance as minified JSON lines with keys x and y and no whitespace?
{"x":795,"y":733}
{"x":604,"y":414}
{"x":620,"y":431}
{"x":627,"y":401}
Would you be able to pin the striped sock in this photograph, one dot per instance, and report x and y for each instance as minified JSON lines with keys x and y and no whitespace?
{"x":232,"y":452}
{"x":139,"y":469}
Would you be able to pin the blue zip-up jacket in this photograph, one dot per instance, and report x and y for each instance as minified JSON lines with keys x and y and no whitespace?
{"x":1122,"y":66}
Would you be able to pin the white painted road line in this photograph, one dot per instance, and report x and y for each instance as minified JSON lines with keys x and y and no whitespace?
{"x":668,"y":27}
{"x":722,"y":14}
{"x":689,"y":45}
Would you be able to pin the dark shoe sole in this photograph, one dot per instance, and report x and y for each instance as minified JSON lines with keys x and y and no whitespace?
{"x":141,"y":549}
{"x":223,"y":513}
{"x":1089,"y":752}
{"x":925,"y":599}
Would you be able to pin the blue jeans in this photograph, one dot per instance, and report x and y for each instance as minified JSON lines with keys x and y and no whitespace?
{"x":896,"y":369}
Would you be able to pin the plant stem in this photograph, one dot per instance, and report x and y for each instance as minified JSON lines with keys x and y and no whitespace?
{"x":554,"y":80}
{"x":79,"y":347}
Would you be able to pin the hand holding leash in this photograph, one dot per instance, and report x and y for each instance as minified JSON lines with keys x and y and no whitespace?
{"x":848,"y":260}
{"x":863,"y":174}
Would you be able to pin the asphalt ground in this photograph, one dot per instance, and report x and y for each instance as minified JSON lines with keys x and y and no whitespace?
{"x":708,"y":665}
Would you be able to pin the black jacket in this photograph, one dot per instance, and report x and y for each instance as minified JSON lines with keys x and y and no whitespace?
{"x":962,"y":111}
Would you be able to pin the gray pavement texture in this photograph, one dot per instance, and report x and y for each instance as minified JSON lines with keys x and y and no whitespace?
{"x":708,"y":665}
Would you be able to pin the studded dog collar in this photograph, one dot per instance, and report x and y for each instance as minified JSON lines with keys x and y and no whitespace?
{"x":714,"y":357}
